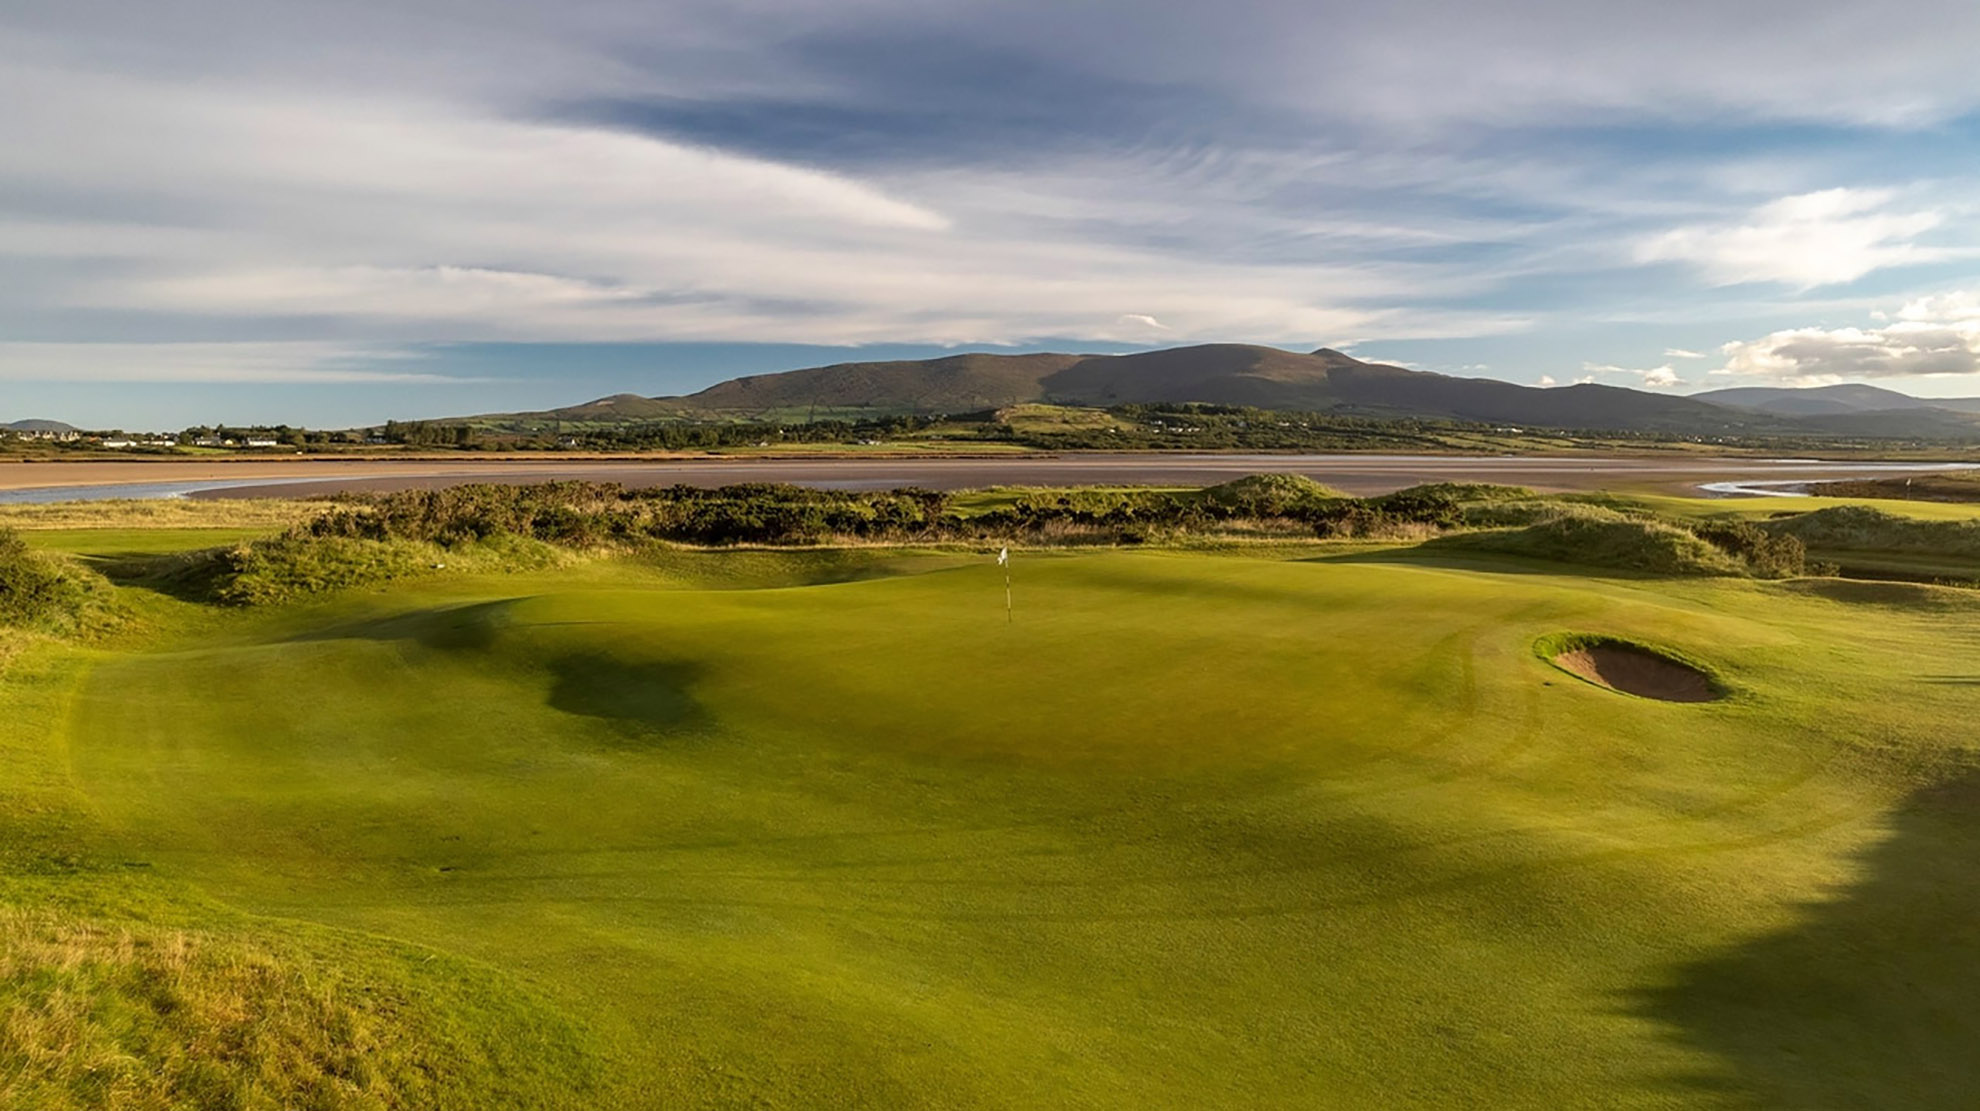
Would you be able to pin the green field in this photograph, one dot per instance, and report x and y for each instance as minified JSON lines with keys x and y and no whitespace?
{"x":1284,"y":826}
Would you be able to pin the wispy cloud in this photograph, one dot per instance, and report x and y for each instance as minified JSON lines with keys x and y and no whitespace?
{"x":245,"y":363}
{"x":1809,"y":240}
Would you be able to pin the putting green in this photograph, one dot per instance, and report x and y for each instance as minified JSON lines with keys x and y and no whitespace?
{"x":1193,"y":831}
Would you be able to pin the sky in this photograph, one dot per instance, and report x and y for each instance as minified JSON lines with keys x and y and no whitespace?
{"x":327,"y":214}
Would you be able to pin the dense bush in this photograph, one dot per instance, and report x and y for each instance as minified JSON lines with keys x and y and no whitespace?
{"x":1766,"y":554}
{"x":580,"y":514}
{"x":34,"y":590}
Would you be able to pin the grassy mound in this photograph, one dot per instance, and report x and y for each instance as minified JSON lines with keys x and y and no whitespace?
{"x":1897,"y":595}
{"x":43,"y":593}
{"x":1863,"y":528}
{"x":1270,"y":495}
{"x":296,"y":565}
{"x":1597,"y":537}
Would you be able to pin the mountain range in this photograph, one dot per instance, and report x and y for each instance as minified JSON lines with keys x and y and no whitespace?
{"x":1272,"y":378}
{"x":1814,"y":401}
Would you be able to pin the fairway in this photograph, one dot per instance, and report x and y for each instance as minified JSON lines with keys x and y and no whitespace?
{"x":1195,"y":830}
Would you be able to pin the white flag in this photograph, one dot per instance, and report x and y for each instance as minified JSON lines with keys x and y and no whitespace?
{"x":1003,"y":557}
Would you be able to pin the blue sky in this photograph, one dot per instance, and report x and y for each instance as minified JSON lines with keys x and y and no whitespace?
{"x":223,"y":210}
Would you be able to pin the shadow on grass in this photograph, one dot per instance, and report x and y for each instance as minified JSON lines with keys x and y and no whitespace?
{"x":1872,"y":1000}
{"x":645,"y":699}
{"x":471,"y":627}
{"x":183,"y":576}
{"x":1433,"y":554}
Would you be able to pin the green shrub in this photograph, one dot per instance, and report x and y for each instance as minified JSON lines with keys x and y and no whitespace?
{"x":1767,"y":555}
{"x":35,"y":591}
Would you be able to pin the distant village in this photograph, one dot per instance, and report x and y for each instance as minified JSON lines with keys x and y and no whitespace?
{"x":56,"y":434}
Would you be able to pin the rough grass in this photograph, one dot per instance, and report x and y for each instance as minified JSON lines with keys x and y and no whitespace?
{"x":1270,"y":495}
{"x":127,"y":1014}
{"x":122,"y":989}
{"x":40,"y":592}
{"x":284,"y":568}
{"x":1596,"y":537}
{"x":266,"y":514}
{"x":1863,"y":528}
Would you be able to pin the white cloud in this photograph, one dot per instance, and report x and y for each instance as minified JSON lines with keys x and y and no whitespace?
{"x":1681,"y":353}
{"x":1655,"y":378}
{"x":1957,"y":307}
{"x":1804,"y":241}
{"x":1546,"y":380}
{"x":1929,"y":336}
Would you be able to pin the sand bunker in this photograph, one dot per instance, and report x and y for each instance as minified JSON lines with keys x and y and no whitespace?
{"x":1632,"y":669}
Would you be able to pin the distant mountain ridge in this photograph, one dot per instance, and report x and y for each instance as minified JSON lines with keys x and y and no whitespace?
{"x":1848,"y":397}
{"x":38,"y":426}
{"x":1261,"y":377}
{"x":1215,"y":374}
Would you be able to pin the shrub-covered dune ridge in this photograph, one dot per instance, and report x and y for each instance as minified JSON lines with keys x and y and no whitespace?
{"x":381,"y":538}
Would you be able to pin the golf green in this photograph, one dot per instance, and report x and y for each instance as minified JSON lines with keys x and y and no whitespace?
{"x":1190,"y":830}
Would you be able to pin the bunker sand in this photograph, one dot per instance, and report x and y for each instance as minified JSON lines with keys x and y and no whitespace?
{"x":1638,"y":671}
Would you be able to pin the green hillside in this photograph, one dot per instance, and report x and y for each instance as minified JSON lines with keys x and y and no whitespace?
{"x":1269,"y":378}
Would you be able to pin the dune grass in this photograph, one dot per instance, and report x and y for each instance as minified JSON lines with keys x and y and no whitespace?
{"x":131,"y":516}
{"x":116,"y":1011}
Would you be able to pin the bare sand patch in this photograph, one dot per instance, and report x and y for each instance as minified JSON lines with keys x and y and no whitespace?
{"x":1633,"y":669}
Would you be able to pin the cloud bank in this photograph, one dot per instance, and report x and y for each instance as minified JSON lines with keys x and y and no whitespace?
{"x":1930,"y":337}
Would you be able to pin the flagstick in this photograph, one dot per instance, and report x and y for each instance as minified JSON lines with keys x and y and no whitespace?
{"x":1004,"y":561}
